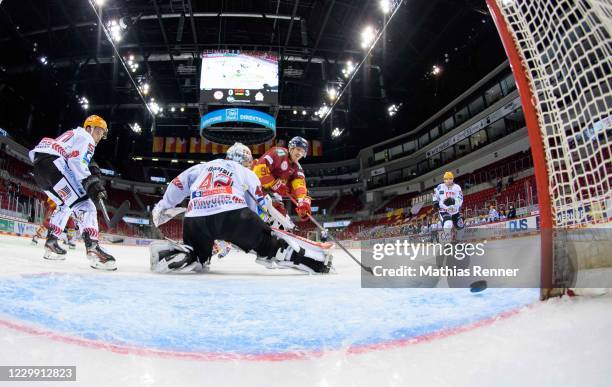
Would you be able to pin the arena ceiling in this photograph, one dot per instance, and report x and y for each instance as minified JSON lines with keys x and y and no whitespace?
{"x":54,"y":53}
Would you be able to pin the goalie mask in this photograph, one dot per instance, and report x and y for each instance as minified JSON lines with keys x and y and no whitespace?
{"x":241,"y":154}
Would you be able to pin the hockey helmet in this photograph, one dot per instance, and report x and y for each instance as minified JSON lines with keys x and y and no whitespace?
{"x":298,"y":142}
{"x":241,"y":154}
{"x":448,"y":175}
{"x":96,"y":122}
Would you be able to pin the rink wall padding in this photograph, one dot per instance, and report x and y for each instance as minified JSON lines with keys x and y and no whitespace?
{"x":16,"y":227}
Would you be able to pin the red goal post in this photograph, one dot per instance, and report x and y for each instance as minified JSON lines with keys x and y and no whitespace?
{"x":560,"y":52}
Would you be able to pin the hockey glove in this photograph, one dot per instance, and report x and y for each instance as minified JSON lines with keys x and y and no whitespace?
{"x":94,"y":169}
{"x":449,"y":202}
{"x":160,"y":216}
{"x":280,"y":188}
{"x":303,"y":208}
{"x":94,"y":187}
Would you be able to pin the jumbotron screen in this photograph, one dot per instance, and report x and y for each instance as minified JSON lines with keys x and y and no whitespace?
{"x":239,"y":77}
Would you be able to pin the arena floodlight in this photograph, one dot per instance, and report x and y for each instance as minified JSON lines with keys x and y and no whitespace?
{"x":385,"y":6}
{"x":367,"y":37}
{"x":393,"y":109}
{"x":332,"y":93}
{"x":145,"y":88}
{"x":136,"y":128}
{"x":154,"y":106}
{"x":336,"y":132}
{"x":115,"y":30}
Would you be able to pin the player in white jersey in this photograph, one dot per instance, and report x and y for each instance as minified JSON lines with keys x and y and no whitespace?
{"x":61,"y":169}
{"x":225,"y":198}
{"x":448,"y":199}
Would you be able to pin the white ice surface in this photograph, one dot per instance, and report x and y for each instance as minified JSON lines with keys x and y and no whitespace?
{"x":561,"y":342}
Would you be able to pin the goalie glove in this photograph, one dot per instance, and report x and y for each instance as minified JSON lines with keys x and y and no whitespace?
{"x":160,"y":216}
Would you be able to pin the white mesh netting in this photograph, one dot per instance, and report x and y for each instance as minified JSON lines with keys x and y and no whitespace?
{"x":566,"y":49}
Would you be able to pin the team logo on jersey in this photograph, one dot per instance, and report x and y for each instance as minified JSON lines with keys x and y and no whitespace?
{"x":64,"y":193}
{"x":284,"y":165}
{"x":88,"y":155}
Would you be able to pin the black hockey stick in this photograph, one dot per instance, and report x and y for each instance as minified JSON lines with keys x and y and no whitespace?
{"x":117,"y":216}
{"x":313,"y":220}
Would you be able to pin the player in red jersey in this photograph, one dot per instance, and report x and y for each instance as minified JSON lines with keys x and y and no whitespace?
{"x":280,"y":173}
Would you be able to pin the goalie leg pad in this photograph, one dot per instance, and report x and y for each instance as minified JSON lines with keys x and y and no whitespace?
{"x":168,"y":257}
{"x":302,"y":254}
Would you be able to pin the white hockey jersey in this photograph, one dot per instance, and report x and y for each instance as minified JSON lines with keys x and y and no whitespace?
{"x":214,"y":187}
{"x":442,"y":192}
{"x":76,"y":146}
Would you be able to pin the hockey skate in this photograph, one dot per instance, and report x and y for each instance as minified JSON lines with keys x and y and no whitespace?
{"x":71,"y":245}
{"x":53,"y":251}
{"x":98,"y":258}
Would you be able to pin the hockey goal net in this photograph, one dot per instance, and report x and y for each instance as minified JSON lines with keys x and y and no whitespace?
{"x":561,"y":56}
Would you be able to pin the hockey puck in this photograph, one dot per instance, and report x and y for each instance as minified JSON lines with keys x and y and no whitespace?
{"x":478,"y":286}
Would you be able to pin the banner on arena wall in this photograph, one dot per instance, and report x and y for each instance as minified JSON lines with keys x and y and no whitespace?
{"x":317,"y":148}
{"x":158,"y":144}
{"x":7,"y":225}
{"x":238,"y":115}
{"x":198,"y":145}
{"x":194,"y":144}
{"x":181,"y":145}
{"x":594,"y":212}
{"x":17,"y":227}
{"x":170,"y":145}
{"x":108,"y":172}
{"x":522,"y":224}
{"x":133,"y":220}
{"x":476,"y":127}
{"x":337,"y":224}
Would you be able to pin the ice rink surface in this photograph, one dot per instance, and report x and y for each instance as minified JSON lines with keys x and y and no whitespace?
{"x":242,"y":324}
